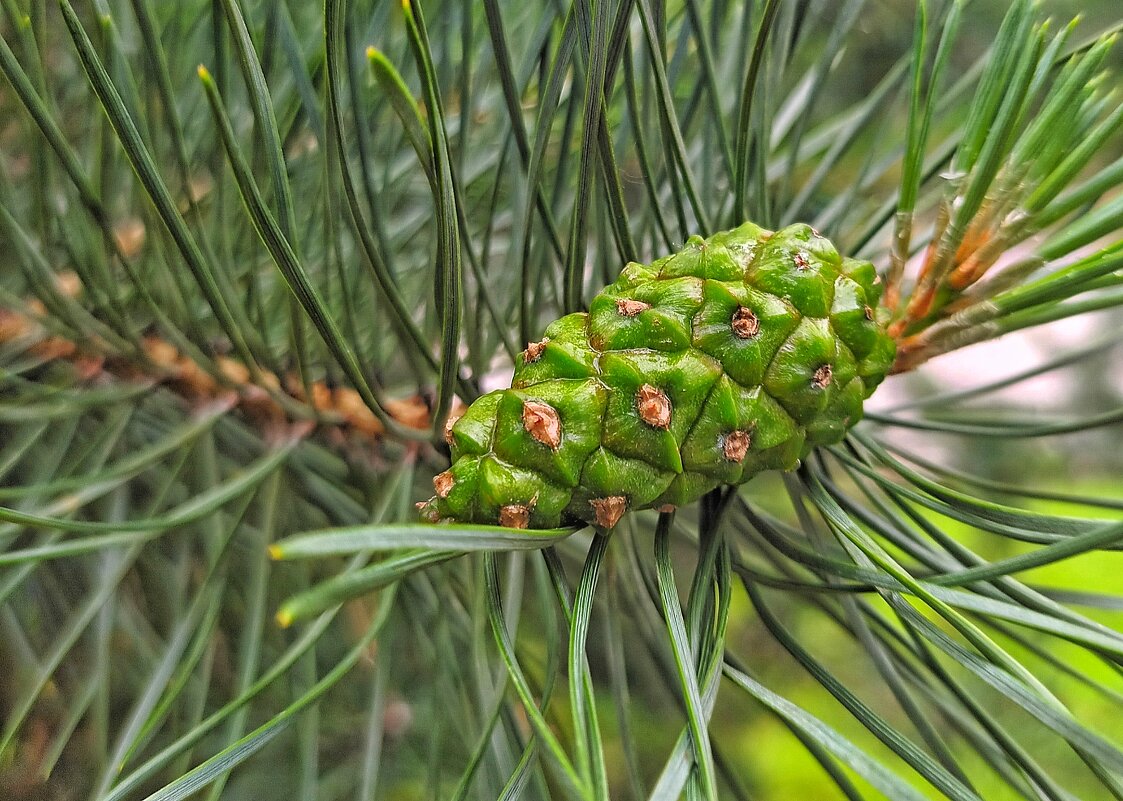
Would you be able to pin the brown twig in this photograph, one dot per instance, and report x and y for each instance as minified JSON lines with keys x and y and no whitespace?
{"x":336,"y":407}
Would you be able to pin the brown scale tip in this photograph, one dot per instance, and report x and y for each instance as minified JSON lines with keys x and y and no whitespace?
{"x":542,"y":422}
{"x":735,"y":446}
{"x":443,"y":483}
{"x":428,"y":510}
{"x":449,"y":423}
{"x":534,"y":350}
{"x":801,"y":259}
{"x":869,"y":313}
{"x":666,"y":508}
{"x":514,"y":515}
{"x":745,"y":324}
{"x":608,"y":511}
{"x":822,"y":377}
{"x":626,"y":307}
{"x":654,"y":406}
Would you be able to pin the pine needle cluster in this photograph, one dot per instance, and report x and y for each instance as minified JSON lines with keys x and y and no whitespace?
{"x":257,"y":254}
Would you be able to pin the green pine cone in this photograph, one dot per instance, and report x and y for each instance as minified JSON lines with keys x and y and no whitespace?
{"x":736,"y":355}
